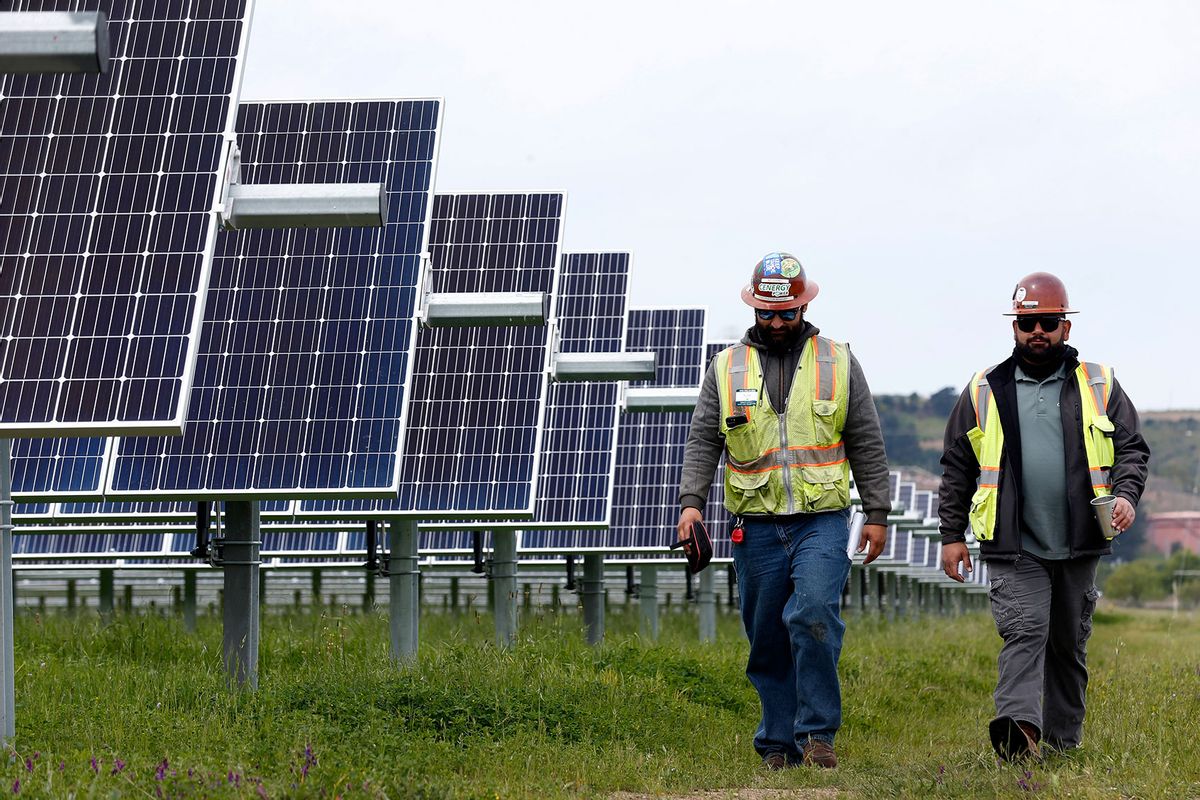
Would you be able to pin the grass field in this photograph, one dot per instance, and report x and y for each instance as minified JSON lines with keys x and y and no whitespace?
{"x":138,"y":707}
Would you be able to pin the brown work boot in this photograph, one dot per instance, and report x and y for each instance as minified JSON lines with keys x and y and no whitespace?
{"x":819,"y":753}
{"x":773,"y":762}
{"x":1013,"y":739}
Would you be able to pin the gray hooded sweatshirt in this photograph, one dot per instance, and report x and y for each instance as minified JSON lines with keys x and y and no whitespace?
{"x":861,"y":436}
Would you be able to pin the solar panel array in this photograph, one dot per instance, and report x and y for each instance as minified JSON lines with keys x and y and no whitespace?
{"x":579,"y":438}
{"x":475,"y":420}
{"x":303,"y":376}
{"x":107,"y":188}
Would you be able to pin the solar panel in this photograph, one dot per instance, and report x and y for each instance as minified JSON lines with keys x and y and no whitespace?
{"x":645,"y":506}
{"x":108,"y":184}
{"x":50,"y":469}
{"x":579,"y":438}
{"x":475,"y":420}
{"x":304,"y":372}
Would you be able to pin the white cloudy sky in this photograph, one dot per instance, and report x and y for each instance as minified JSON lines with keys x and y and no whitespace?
{"x":918,"y":158}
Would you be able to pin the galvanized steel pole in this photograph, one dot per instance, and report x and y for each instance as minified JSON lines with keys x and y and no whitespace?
{"x":648,"y":600}
{"x":706,"y":598}
{"x":592,"y":589}
{"x":402,"y":587}
{"x":504,"y":582}
{"x":189,"y":601}
{"x":243,"y":539}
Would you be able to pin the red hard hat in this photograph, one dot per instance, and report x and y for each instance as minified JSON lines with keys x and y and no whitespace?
{"x":1040,"y":293}
{"x":779,"y":282}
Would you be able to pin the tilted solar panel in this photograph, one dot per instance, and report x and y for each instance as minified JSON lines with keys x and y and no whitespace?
{"x":649,"y":445}
{"x":475,"y":420}
{"x":49,"y":469}
{"x":306,"y":353}
{"x":108,"y":184}
{"x":579,"y":438}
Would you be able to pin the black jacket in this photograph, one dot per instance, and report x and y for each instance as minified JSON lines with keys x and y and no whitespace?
{"x":960,"y":469}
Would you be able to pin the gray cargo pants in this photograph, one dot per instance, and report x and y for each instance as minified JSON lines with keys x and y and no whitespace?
{"x":1043,"y":612}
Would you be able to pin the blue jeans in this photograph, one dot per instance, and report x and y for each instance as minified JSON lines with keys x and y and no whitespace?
{"x":791,"y":577}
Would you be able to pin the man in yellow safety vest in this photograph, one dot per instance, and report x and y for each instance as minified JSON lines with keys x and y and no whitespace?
{"x":793,"y":415}
{"x":1039,"y":451}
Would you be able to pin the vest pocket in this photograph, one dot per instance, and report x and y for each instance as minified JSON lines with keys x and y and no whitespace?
{"x":752,"y":492}
{"x":742,"y":443}
{"x":824,"y":420}
{"x":1101,"y":432}
{"x":824,"y":488}
{"x":983,"y":513}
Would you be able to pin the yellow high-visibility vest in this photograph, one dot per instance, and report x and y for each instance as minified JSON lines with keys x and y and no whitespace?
{"x":987,"y":440}
{"x":792,"y":463}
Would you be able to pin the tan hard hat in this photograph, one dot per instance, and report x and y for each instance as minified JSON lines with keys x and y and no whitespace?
{"x":1040,"y":293}
{"x":779,"y":282}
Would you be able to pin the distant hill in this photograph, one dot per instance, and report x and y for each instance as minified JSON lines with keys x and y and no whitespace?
{"x":913,"y":426}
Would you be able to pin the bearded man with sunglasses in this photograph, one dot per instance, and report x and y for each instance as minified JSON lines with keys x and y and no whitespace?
{"x":1030,"y":444}
{"x":794,"y":416}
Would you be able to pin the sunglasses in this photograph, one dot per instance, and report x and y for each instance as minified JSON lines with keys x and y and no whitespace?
{"x":1049,"y":324}
{"x":767,"y":314}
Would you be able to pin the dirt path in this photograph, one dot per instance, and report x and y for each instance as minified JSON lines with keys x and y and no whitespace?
{"x":736,"y":794}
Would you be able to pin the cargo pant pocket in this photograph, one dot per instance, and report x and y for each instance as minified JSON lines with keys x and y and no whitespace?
{"x":1006,"y":610}
{"x":1085,"y":617}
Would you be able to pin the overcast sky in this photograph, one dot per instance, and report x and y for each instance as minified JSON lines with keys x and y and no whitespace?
{"x":918,"y":158}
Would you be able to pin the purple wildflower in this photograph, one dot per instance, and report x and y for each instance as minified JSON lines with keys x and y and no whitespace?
{"x":95,"y":765}
{"x":62,"y":766}
{"x":941,"y":773}
{"x":262,"y":792}
{"x":118,"y":766}
{"x":17,"y":786}
{"x":235,"y":778}
{"x":29,"y":765}
{"x":160,"y":772}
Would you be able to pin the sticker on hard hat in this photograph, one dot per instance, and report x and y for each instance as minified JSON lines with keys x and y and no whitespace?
{"x":1019,"y":294}
{"x":772,"y":265}
{"x":790,"y":267}
{"x":773,"y":289}
{"x":745,"y":397}
{"x":1029,"y":304}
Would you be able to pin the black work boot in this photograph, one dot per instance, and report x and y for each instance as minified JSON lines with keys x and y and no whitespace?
{"x":1014,"y":740}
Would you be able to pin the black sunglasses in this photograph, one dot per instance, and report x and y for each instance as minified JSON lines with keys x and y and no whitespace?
{"x":767,"y":314}
{"x":1049,"y":324}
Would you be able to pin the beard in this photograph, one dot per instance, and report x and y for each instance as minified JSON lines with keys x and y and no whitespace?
{"x":1050,"y":355}
{"x":783,"y":343}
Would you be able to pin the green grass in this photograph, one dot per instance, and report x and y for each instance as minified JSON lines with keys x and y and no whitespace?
{"x":555,"y":718}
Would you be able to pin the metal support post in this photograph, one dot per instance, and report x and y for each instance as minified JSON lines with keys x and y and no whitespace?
{"x":592,"y":590}
{"x":316,"y":588}
{"x":856,"y":589}
{"x":706,"y":599}
{"x":454,"y":593}
{"x":71,"y":594}
{"x":648,"y":601}
{"x":369,"y":593}
{"x":504,"y":585}
{"x":106,"y":592}
{"x":902,"y":596}
{"x":189,"y":600}
{"x":243,"y":539}
{"x":402,"y":585}
{"x":8,"y":724}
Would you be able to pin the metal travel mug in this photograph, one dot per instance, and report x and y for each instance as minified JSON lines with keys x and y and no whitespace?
{"x":1103,"y":506}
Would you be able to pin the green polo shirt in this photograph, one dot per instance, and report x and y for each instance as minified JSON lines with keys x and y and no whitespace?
{"x":1043,"y":466}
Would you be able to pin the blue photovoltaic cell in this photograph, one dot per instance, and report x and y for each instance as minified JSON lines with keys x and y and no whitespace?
{"x":50,"y":468}
{"x":579,"y":437}
{"x":177,"y":510}
{"x":474,"y":422}
{"x":119,"y":544}
{"x":108,"y":185}
{"x":303,"y":376}
{"x":645,"y":506}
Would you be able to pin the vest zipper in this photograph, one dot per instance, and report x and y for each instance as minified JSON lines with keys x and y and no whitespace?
{"x":786,"y":457}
